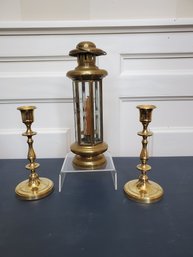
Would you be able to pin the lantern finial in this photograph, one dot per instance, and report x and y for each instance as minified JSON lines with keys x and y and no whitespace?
{"x":86,"y":47}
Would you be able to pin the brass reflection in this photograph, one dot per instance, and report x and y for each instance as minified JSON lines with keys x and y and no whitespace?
{"x":35,"y":187}
{"x":143,"y":190}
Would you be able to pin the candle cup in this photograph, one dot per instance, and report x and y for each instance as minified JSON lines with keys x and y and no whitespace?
{"x":143,"y":190}
{"x":35,"y":187}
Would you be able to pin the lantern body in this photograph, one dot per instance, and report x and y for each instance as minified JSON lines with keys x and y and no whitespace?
{"x":87,"y":112}
{"x":88,"y":107}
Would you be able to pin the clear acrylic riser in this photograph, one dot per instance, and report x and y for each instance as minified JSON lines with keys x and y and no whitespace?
{"x":67,"y":167}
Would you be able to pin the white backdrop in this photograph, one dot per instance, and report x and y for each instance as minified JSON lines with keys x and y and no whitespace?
{"x":94,"y":10}
{"x":147,"y":61}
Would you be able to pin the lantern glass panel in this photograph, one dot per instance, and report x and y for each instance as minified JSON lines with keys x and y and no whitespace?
{"x":88,"y":112}
{"x":98,"y":111}
{"x":75,"y":111}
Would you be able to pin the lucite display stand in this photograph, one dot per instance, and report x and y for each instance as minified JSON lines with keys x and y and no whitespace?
{"x":67,"y":167}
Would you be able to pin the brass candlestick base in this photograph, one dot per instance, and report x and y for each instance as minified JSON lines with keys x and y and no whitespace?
{"x":147,"y":192}
{"x":27,"y":192}
{"x":34,"y":188}
{"x":143,"y":190}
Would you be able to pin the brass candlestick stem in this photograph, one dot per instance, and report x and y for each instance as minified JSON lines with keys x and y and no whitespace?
{"x":143,"y":190}
{"x":34,"y":188}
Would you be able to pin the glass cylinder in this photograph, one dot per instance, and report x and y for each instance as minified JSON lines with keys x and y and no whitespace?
{"x":88,"y":112}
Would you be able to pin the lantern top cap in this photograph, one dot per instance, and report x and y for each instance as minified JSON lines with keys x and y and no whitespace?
{"x":87,"y":47}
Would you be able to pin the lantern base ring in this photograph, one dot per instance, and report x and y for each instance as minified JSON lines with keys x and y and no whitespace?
{"x":89,"y":157}
{"x":92,"y":162}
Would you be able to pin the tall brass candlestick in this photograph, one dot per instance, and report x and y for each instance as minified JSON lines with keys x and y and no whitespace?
{"x":34,"y":188}
{"x":143,"y":190}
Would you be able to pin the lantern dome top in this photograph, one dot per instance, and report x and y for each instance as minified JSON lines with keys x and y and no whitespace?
{"x":86,"y":47}
{"x":86,"y":53}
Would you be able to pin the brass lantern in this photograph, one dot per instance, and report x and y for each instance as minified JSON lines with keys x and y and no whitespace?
{"x":88,"y":107}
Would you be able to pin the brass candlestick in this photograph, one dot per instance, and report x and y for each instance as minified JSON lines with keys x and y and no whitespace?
{"x":34,"y":188}
{"x":143,"y":190}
